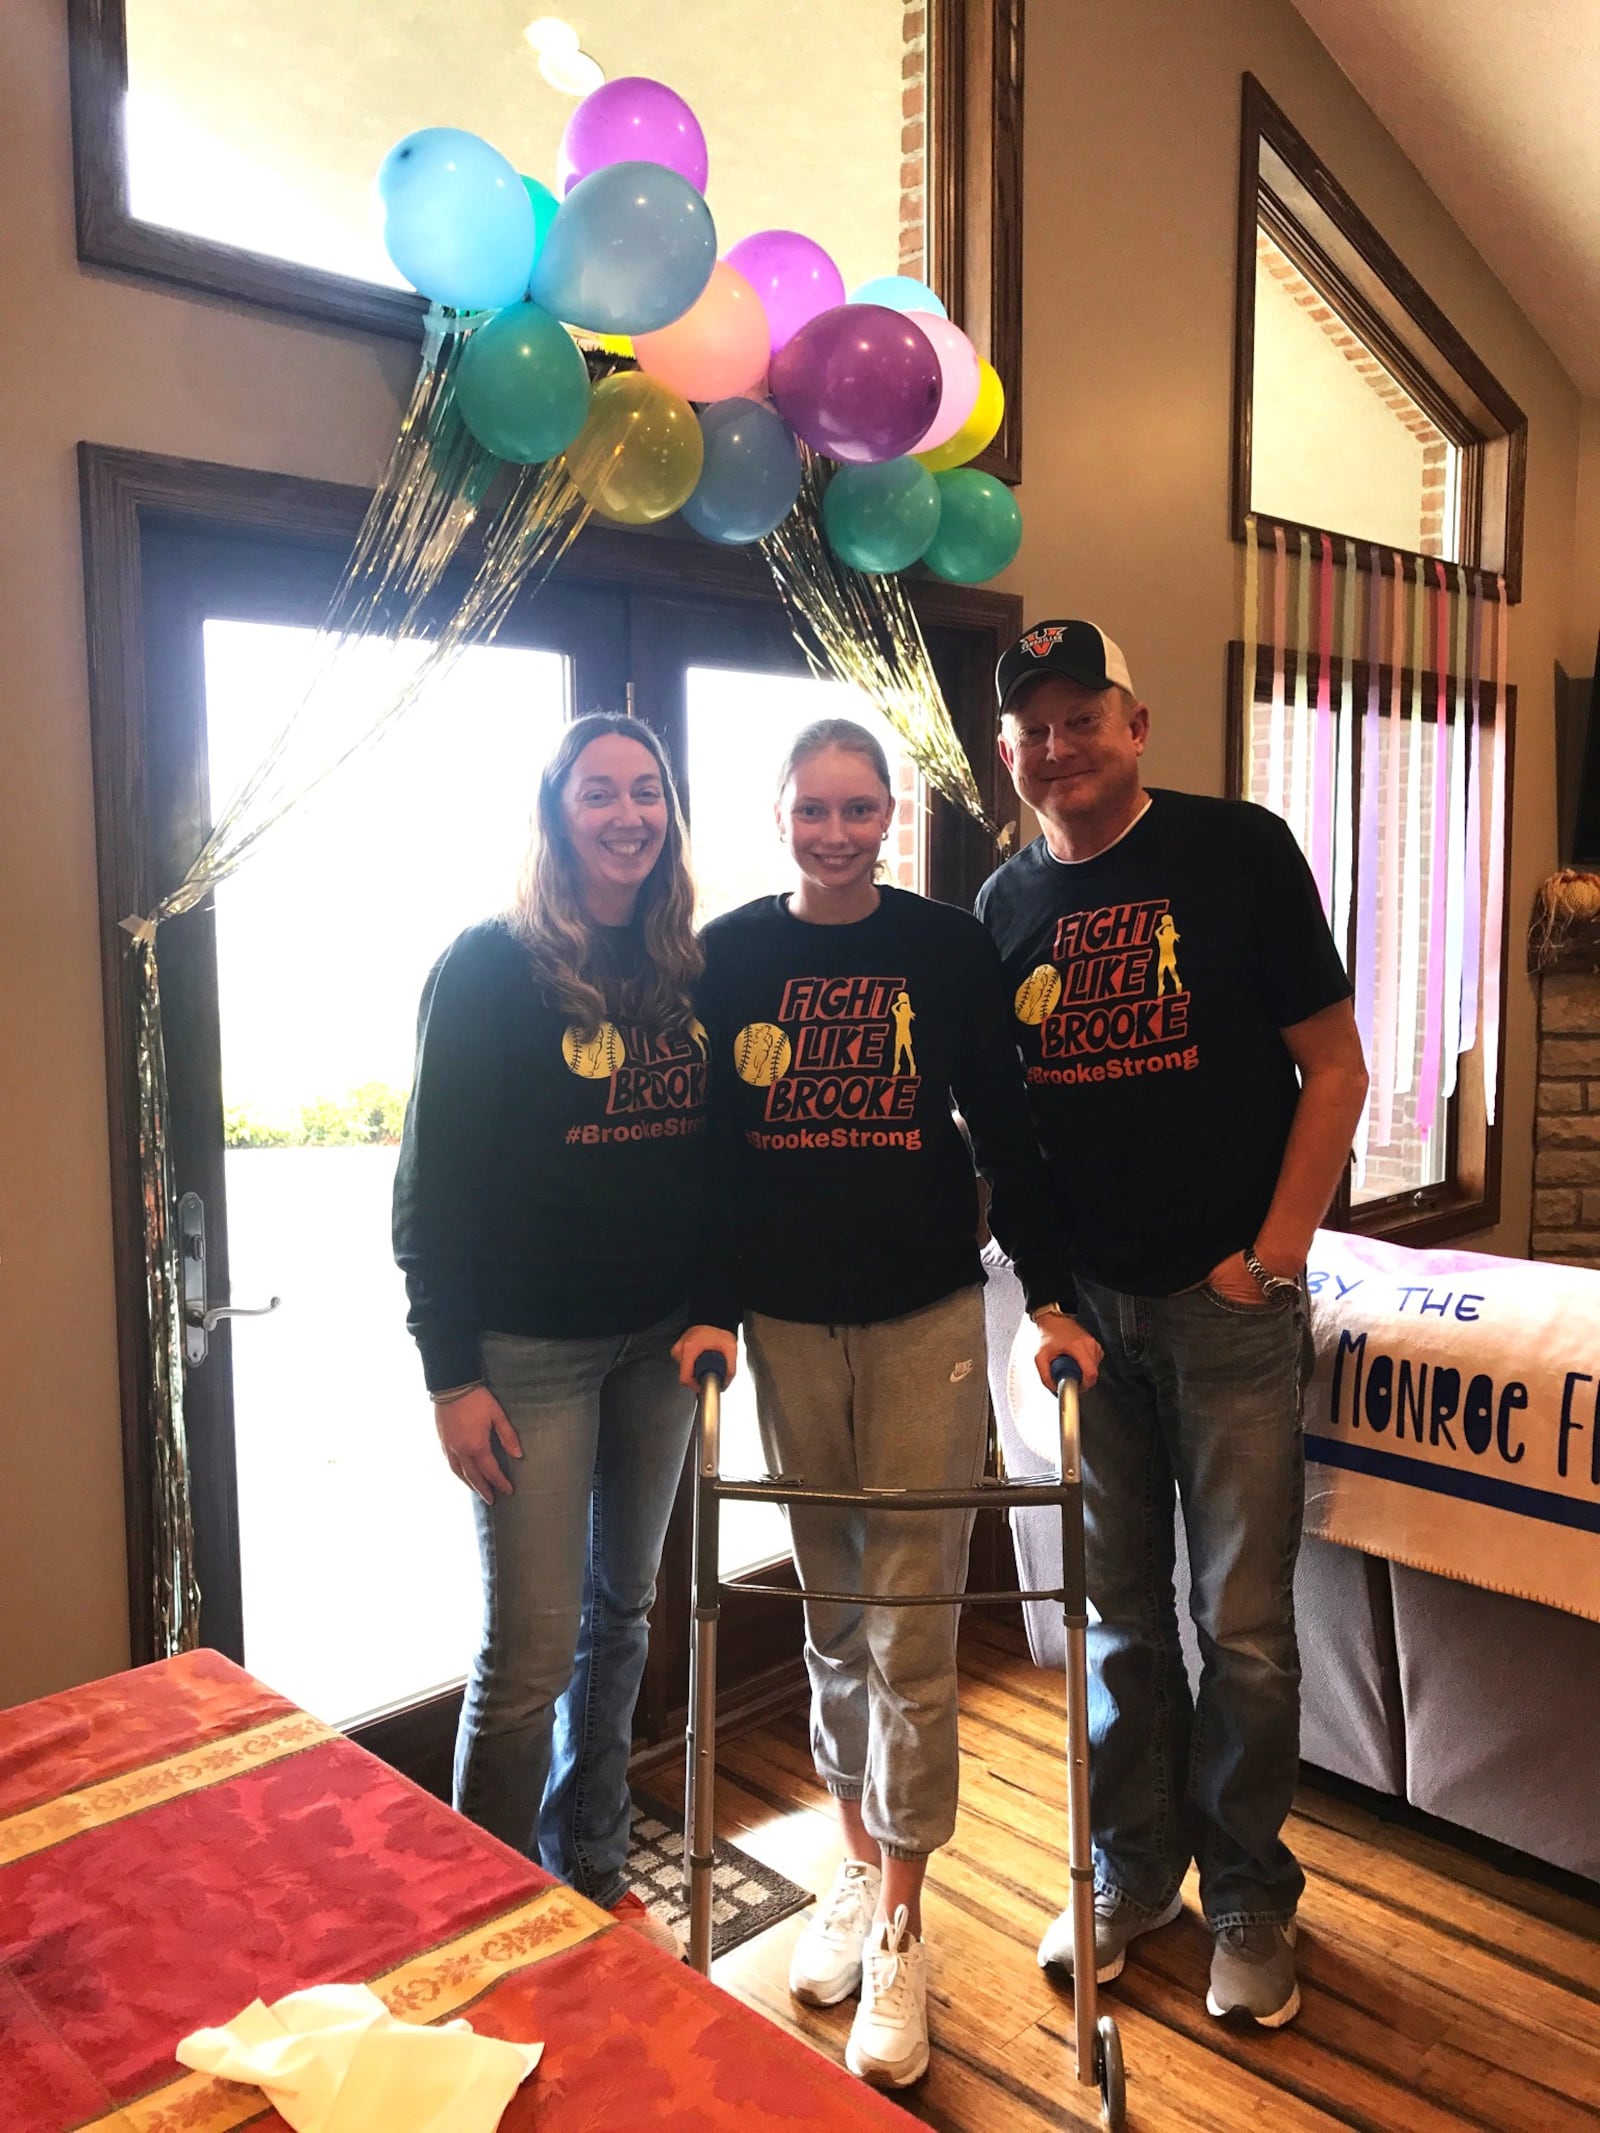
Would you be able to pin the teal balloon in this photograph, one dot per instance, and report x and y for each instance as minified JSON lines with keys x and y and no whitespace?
{"x":522,"y":386}
{"x":899,"y":292}
{"x":630,"y":249}
{"x":457,"y":219}
{"x":545,"y":207}
{"x":881,"y":517}
{"x":980,"y":528}
{"x":750,"y":476}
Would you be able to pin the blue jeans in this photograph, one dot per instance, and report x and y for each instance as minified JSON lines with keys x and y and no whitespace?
{"x":569,"y":1568}
{"x":1201,"y":1396}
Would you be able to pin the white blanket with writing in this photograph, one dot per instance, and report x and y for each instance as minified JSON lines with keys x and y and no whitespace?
{"x":1454,"y":1421}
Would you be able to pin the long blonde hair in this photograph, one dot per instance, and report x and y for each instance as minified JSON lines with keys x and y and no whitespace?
{"x":549,"y":919}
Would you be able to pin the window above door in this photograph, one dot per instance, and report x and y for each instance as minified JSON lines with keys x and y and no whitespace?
{"x":1361,"y":412}
{"x":231,"y":148}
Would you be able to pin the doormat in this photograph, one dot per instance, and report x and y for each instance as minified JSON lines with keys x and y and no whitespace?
{"x":747,"y":1897}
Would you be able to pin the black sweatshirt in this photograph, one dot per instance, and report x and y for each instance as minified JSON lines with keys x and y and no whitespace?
{"x":548,"y":1184}
{"x":842,"y":1190}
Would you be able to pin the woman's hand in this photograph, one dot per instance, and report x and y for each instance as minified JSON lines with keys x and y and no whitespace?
{"x":469,"y":1429}
{"x":1060,"y":1335}
{"x":687,"y":1352}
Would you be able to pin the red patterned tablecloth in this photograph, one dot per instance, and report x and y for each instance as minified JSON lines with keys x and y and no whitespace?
{"x":177,"y":1841}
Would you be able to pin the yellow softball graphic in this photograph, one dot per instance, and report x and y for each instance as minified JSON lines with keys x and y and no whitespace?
{"x":761,"y":1054}
{"x":1037,"y":994}
{"x":596,"y":1054}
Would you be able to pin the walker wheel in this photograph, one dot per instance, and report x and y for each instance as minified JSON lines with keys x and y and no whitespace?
{"x":1108,"y":2069}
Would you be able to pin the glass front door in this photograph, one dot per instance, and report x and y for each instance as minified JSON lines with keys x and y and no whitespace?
{"x":335,"y":1553}
{"x":358,"y":1570}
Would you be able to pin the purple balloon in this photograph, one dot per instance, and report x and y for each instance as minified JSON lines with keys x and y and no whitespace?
{"x":859,"y":382}
{"x":632,"y":120}
{"x":794,"y":278}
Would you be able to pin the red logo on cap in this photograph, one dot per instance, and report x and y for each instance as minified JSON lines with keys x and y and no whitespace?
{"x":1041,"y":642}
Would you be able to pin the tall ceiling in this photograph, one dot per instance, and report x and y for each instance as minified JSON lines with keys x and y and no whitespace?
{"x":1497,"y":102}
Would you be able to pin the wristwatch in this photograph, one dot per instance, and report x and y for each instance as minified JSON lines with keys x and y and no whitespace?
{"x":1044,"y":1310}
{"x":1270,"y":1285}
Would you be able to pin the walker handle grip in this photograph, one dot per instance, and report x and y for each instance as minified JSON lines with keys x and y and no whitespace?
{"x":710,"y":1363}
{"x":1064,"y":1369}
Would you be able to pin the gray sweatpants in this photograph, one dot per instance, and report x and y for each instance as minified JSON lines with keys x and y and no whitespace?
{"x":900,"y":1404}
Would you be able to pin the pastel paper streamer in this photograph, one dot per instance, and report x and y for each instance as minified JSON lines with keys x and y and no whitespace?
{"x":1389,"y":869}
{"x":1455,"y":892}
{"x":1408,"y":1004}
{"x":1252,"y":633}
{"x":1472,"y":899}
{"x":1368,"y":887}
{"x":1494,"y":895}
{"x":1300,"y":736}
{"x":1438,"y":872}
{"x":1322,"y":767}
{"x":1275,"y":715}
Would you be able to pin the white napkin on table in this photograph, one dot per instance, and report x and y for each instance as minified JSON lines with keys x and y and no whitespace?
{"x":333,"y":2059}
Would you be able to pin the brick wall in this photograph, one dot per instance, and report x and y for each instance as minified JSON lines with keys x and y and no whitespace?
{"x":914,"y":142}
{"x":1566,"y":1170}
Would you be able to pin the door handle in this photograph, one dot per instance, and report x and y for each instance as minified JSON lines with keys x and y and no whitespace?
{"x":201,"y":1319}
{"x":208,"y":1321}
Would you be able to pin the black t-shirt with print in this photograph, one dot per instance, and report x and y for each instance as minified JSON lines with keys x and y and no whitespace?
{"x":843,"y":1191}
{"x":1149,"y":988}
{"x":549,"y":1181}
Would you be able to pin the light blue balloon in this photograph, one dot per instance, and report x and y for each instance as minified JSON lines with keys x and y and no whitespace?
{"x":630,"y":249}
{"x":751,"y":474}
{"x":898,"y":292}
{"x":458,"y":221}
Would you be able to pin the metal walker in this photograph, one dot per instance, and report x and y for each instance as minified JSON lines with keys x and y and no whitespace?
{"x":1097,"y":2045}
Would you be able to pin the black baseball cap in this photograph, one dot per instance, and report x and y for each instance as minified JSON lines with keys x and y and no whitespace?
{"x":1079,"y":651}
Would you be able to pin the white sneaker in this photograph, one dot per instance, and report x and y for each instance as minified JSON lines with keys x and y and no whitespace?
{"x":889,"y":2036}
{"x":825,"y":1967}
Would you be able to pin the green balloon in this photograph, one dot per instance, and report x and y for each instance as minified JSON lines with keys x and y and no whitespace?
{"x":522,"y":385}
{"x":980,"y":527}
{"x":545,"y":206}
{"x":881,"y":517}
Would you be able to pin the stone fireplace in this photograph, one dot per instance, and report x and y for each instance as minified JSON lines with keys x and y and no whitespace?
{"x":1566,"y":1173}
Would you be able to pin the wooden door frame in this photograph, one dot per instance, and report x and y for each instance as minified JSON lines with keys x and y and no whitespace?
{"x":124,"y":492}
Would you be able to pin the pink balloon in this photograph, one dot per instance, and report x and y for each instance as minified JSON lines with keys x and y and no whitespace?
{"x":958,"y":374}
{"x":718,"y":348}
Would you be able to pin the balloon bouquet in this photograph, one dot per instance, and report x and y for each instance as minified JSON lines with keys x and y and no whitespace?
{"x":737,"y":357}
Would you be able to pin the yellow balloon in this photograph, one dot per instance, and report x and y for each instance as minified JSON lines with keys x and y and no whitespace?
{"x":638,"y":456}
{"x":981,"y":427}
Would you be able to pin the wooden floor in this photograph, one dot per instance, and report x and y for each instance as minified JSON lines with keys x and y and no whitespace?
{"x":1439,"y":1992}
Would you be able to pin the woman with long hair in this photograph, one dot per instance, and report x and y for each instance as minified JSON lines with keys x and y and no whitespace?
{"x":545,"y":1208}
{"x":842,"y":1021}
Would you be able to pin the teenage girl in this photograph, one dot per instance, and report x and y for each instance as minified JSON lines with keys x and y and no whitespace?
{"x":844,"y":1020}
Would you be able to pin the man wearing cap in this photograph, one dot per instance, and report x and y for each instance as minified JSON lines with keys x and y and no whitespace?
{"x":1196,"y":1075}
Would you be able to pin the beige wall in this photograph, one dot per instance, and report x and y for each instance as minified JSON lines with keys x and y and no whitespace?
{"x":1132,"y":153}
{"x":1131,"y":198}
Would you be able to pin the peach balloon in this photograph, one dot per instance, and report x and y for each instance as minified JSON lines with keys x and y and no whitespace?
{"x":720,"y":346}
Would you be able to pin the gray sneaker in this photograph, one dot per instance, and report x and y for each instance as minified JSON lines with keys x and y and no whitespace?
{"x":1115,"y":1924}
{"x":1252,"y":1973}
